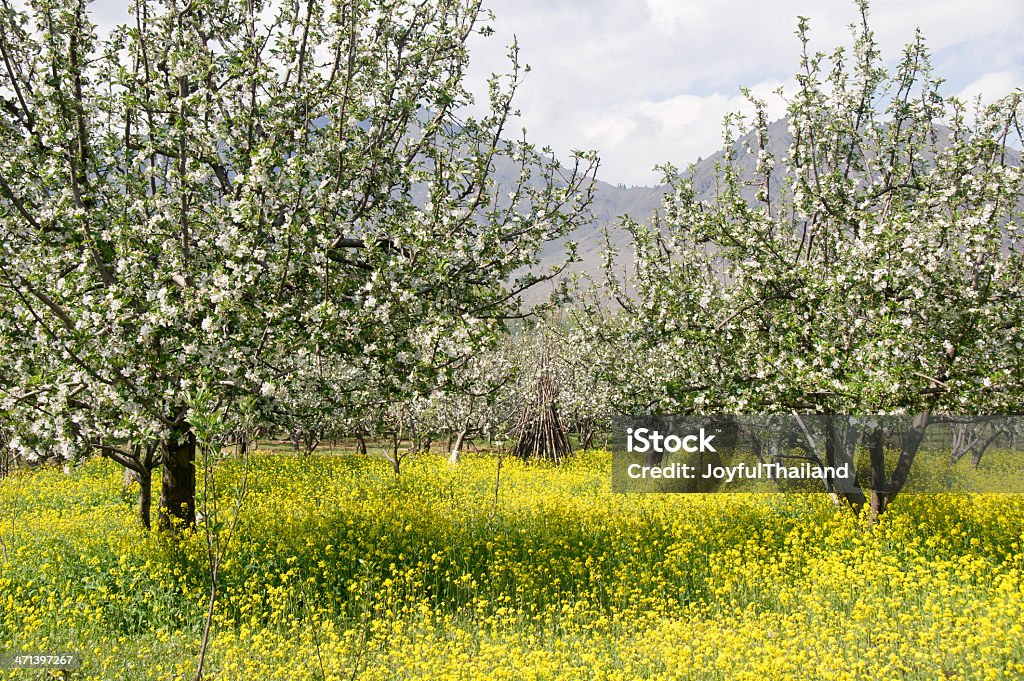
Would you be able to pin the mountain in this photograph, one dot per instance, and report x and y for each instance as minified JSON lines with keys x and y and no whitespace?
{"x":612,"y":202}
{"x":641,"y":203}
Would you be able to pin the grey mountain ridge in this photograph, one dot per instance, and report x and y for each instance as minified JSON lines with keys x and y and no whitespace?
{"x":612,"y":202}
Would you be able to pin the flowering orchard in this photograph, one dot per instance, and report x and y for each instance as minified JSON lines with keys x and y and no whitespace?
{"x":228,"y":222}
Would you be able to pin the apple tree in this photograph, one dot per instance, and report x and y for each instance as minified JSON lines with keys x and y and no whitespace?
{"x":875,"y":268}
{"x":217,"y":196}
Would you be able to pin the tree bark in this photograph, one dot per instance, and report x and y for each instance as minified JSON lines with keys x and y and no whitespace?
{"x":6,"y":455}
{"x":911,"y":444}
{"x":145,"y":478}
{"x":840,"y":444}
{"x":178,"y":482}
{"x":879,"y":485}
{"x":396,"y":458}
{"x":586,"y":432}
{"x":456,"y":450}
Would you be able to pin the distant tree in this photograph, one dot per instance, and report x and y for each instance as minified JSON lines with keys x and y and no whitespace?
{"x":884,"y":276}
{"x":219,"y":195}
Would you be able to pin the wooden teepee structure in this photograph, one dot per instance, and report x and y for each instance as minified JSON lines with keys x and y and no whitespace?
{"x":541,"y":434}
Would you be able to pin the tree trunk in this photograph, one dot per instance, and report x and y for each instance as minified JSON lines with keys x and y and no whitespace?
{"x":145,"y":479}
{"x":396,"y":458}
{"x":908,"y":450}
{"x":310,"y":441}
{"x":6,"y":455}
{"x":178,"y":482}
{"x":456,"y":450}
{"x":879,"y":485}
{"x":586,"y":432}
{"x":840,"y":445}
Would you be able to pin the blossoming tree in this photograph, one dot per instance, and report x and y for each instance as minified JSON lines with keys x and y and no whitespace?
{"x":879,"y":271}
{"x":218,"y":196}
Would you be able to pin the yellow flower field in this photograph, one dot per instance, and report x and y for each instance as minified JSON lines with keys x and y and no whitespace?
{"x":340,"y":572}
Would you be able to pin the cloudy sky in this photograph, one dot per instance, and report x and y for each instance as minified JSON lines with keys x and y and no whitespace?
{"x":648,"y":81}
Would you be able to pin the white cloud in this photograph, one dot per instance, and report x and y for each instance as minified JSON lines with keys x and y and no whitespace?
{"x":991,"y":86}
{"x":635,"y":135}
{"x":648,"y":81}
